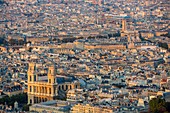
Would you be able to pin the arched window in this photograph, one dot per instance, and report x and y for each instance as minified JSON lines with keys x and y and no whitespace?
{"x":35,"y":78}
{"x":66,"y":87}
{"x":30,"y":78}
{"x":59,"y":87}
{"x":76,"y":86}
{"x":34,"y":88}
{"x":42,"y":89}
{"x":40,"y":99}
{"x":35,"y":101}
{"x":30,"y":89}
{"x":45,"y":99}
{"x":49,"y":90}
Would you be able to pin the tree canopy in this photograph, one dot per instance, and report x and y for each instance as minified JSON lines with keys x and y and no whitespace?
{"x":20,"y":98}
{"x":2,"y":40}
{"x":158,"y":105}
{"x":163,"y":45}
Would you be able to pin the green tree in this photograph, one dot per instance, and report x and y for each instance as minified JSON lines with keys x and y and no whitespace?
{"x":163,"y":45}
{"x":167,"y":104}
{"x":2,"y":40}
{"x":91,"y":37}
{"x":12,"y":42}
{"x":166,"y":35}
{"x":26,"y":107}
{"x":158,"y":105}
{"x":20,"y":98}
{"x":21,"y":42}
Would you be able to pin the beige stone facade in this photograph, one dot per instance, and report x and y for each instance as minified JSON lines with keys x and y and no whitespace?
{"x":80,"y":108}
{"x":41,"y":91}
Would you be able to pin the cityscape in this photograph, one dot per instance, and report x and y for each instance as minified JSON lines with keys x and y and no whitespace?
{"x":84,"y":56}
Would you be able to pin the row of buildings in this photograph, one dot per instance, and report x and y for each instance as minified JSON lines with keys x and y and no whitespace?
{"x":119,"y":68}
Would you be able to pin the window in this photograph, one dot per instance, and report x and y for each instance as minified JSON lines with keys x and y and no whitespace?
{"x":30,"y":101}
{"x":59,"y":87}
{"x":76,"y":86}
{"x":49,"y":90}
{"x":30,"y":89}
{"x":30,"y":78}
{"x":50,"y":71}
{"x":34,"y":77}
{"x":49,"y":80}
{"x":35,"y":101}
{"x":45,"y":99}
{"x":42,"y":89}
{"x":66,"y":87}
{"x":34,"y":88}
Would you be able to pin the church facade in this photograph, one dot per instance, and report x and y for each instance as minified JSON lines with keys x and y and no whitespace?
{"x":48,"y":88}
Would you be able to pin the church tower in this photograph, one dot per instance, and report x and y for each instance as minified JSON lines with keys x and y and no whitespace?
{"x":51,"y":74}
{"x":123,"y":25}
{"x":32,"y":77}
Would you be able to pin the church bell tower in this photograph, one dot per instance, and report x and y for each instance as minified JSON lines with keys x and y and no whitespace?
{"x":51,"y":74}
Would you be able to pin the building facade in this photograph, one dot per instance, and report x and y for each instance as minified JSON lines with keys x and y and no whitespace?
{"x":80,"y":108}
{"x":41,"y":90}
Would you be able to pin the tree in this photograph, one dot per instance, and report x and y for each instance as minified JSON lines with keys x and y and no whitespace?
{"x":116,"y":34}
{"x":2,"y":40}
{"x":166,"y":35}
{"x":81,"y":37}
{"x":158,"y":105}
{"x":16,"y":42}
{"x":90,"y":37}
{"x":163,"y":45}
{"x":21,"y":42}
{"x":26,"y":107}
{"x":54,"y":39}
{"x":12,"y":41}
{"x":167,"y":104}
{"x":20,"y":98}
